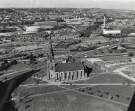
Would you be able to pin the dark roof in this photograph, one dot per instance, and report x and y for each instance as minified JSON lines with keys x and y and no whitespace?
{"x":62,"y":67}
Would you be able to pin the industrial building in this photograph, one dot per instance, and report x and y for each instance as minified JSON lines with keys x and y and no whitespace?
{"x":31,"y":29}
{"x":110,"y":32}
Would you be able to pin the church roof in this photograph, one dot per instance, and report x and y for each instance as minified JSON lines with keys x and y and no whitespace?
{"x":62,"y":67}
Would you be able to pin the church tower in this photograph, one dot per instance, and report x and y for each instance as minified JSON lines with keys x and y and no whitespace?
{"x":50,"y":62}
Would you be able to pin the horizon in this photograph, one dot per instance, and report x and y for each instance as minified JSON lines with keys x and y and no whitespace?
{"x":103,"y":4}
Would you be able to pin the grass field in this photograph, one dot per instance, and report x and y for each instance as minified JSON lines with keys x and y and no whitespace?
{"x":71,"y":101}
{"x":118,"y":93}
{"x":105,"y":78}
{"x":33,"y":80}
{"x":24,"y":91}
{"x":98,"y":79}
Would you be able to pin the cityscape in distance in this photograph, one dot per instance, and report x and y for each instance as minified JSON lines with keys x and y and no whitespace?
{"x":67,"y":59}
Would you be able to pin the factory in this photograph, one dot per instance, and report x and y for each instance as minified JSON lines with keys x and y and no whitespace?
{"x":31,"y":29}
{"x":110,"y":32}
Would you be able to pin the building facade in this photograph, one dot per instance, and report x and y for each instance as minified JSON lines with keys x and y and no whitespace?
{"x":97,"y":64}
{"x":67,"y":72}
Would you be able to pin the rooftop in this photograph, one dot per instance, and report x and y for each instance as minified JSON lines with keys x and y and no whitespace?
{"x":62,"y":67}
{"x":92,"y":60}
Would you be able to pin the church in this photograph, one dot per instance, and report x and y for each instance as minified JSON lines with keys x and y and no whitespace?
{"x":68,"y":71}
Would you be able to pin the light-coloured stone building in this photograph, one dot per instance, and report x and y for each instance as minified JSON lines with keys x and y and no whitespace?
{"x":67,"y":72}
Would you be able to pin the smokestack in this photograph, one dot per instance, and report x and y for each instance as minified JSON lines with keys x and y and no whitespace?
{"x":104,"y":22}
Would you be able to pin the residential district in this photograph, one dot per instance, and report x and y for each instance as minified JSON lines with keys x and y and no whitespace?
{"x":67,"y":59}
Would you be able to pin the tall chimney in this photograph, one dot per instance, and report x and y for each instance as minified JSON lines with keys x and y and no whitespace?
{"x":104,"y":22}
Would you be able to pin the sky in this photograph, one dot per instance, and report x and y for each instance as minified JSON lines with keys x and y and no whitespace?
{"x":107,"y":4}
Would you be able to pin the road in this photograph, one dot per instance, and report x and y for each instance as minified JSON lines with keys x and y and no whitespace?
{"x":119,"y":71}
{"x":95,"y":84}
{"x":8,"y":76}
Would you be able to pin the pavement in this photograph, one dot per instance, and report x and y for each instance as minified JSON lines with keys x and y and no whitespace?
{"x":95,"y":84}
{"x":119,"y":71}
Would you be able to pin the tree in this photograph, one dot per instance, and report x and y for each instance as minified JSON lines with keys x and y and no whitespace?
{"x":101,"y":95}
{"x":14,"y":62}
{"x":107,"y":93}
{"x":128,"y":98}
{"x":32,"y":59}
{"x":131,"y":54}
{"x":5,"y":62}
{"x":110,"y":51}
{"x":98,"y":91}
{"x":117,"y":95}
{"x":123,"y":50}
{"x":91,"y":93}
{"x":111,"y":98}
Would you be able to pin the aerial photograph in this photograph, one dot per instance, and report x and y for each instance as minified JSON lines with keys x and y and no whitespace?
{"x":67,"y":55}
